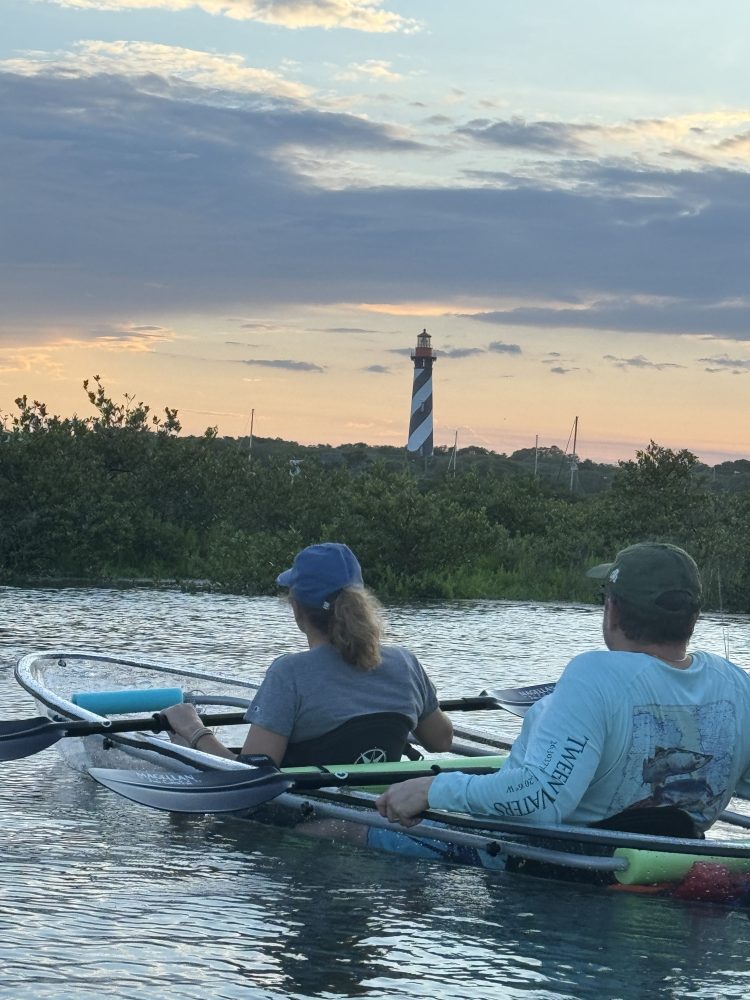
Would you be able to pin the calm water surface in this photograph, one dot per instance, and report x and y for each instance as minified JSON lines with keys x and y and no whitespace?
{"x":103,"y":898}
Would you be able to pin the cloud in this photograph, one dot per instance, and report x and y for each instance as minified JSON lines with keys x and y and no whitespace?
{"x":640,"y":362}
{"x":377,"y":369}
{"x":286,"y":365}
{"x":115,"y":337}
{"x":261,"y":327}
{"x":373,"y":69}
{"x":639,"y":314}
{"x":162,"y":70}
{"x":469,"y":352}
{"x":359,"y":15}
{"x":181,"y":189}
{"x":460,"y":352}
{"x":32,"y":360}
{"x":130,"y":337}
{"x":702,"y":137}
{"x":559,"y":370}
{"x":133,"y":195}
{"x":734,"y":366}
{"x":498,"y":347}
{"x":347,"y":329}
{"x":516,"y":133}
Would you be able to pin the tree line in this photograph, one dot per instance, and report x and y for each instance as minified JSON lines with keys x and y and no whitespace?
{"x":121,"y":495}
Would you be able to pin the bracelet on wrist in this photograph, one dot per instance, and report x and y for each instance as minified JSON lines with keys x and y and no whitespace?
{"x":198,"y":736}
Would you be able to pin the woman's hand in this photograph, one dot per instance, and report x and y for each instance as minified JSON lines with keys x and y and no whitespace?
{"x":184,"y":722}
{"x":405,"y":802}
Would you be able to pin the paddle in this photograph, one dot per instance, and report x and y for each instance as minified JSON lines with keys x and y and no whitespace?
{"x":24,"y":737}
{"x":123,"y":700}
{"x":519,"y":700}
{"x":225,"y":791}
{"x":235,"y":790}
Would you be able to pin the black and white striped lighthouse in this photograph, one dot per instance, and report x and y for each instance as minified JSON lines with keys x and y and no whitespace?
{"x":420,"y":425}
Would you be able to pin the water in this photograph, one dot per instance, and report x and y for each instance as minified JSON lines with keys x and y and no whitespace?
{"x":103,"y":898}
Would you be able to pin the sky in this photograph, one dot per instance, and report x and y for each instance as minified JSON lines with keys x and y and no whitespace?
{"x":249,"y":209}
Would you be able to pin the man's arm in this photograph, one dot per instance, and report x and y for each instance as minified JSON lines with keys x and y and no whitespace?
{"x":405,"y":802}
{"x":548,"y":772}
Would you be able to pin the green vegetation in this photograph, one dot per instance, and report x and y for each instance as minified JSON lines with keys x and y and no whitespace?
{"x":120,"y":495}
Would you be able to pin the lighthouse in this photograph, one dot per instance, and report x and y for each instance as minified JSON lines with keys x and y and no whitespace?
{"x":420,"y":424}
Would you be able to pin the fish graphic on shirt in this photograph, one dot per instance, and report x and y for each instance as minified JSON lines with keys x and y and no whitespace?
{"x":669,"y":761}
{"x":690,"y":794}
{"x":687,"y":793}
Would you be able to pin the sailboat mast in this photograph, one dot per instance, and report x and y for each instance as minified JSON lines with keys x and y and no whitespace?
{"x":574,"y":457}
{"x":250,"y":448}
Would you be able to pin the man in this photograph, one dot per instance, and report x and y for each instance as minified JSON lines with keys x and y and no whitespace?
{"x":642,"y":725}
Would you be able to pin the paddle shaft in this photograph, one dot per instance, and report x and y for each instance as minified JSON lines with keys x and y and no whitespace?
{"x":237,"y":790}
{"x":24,"y":737}
{"x":155,"y":723}
{"x":476,"y":704}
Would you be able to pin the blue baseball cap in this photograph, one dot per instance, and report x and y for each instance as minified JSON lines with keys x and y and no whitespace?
{"x":320,"y":571}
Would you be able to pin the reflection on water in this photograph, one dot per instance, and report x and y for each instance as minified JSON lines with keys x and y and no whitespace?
{"x":104,"y":898}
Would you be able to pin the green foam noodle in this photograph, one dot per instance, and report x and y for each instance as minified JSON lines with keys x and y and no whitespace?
{"x":650,"y":867}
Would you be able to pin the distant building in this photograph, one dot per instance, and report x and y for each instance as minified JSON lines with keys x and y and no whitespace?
{"x":420,"y":424}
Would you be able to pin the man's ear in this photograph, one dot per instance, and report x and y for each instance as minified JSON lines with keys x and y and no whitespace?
{"x":613,"y":613}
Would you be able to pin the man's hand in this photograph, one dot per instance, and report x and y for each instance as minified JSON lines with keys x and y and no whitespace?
{"x":405,"y":802}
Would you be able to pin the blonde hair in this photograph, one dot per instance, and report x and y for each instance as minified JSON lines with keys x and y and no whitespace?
{"x":353,"y":625}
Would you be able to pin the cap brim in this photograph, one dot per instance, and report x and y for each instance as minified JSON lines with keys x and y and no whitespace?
{"x":285,"y":579}
{"x":600,"y":571}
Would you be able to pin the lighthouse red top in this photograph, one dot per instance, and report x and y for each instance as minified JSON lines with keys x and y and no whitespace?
{"x":423,"y":348}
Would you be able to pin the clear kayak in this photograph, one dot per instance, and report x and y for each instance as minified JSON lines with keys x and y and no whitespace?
{"x":100,"y":696}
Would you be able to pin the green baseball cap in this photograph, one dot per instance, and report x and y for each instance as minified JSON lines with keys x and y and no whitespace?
{"x":653,"y":576}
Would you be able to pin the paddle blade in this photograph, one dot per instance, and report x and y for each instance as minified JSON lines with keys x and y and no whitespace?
{"x":209,"y":792}
{"x":519,"y":700}
{"x":24,"y":737}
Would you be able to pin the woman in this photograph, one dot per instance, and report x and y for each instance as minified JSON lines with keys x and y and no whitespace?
{"x":346,"y":697}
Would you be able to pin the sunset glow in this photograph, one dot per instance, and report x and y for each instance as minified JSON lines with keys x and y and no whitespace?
{"x":228,"y":207}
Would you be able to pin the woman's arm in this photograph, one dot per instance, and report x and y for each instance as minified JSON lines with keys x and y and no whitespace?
{"x":260,"y":740}
{"x":435,"y":732}
{"x":189,"y":731}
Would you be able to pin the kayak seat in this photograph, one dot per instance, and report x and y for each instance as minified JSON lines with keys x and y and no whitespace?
{"x":364,"y":739}
{"x":659,"y":821}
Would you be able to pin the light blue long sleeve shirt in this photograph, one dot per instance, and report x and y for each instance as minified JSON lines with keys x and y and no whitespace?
{"x":620,"y":730}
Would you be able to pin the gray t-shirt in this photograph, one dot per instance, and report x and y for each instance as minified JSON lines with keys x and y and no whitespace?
{"x":304,"y":695}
